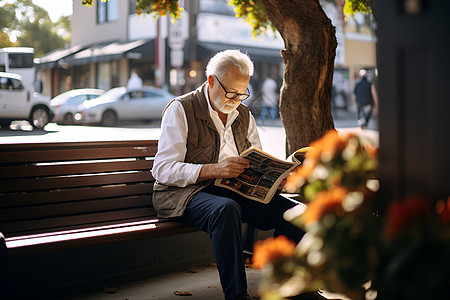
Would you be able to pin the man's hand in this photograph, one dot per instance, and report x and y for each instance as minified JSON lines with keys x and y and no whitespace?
{"x":227,"y":168}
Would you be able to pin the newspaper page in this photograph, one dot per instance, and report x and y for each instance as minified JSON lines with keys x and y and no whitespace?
{"x":261,"y":180}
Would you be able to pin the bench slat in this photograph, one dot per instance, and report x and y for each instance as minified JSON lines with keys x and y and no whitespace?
{"x":77,"y":145}
{"x":161,"y":229}
{"x":72,"y":208}
{"x":69,"y":155}
{"x":76,"y":221}
{"x":36,"y":184}
{"x":50,"y":152}
{"x":26,"y":171}
{"x":84,"y":193}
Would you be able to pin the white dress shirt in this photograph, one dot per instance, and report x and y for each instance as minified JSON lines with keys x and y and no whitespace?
{"x":169,"y":167}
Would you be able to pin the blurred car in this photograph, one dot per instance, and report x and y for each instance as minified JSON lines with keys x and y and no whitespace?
{"x":120,"y":104}
{"x":17,"y":103}
{"x":65,"y":104}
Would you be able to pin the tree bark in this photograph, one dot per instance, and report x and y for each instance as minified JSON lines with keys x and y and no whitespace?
{"x":310,"y":49}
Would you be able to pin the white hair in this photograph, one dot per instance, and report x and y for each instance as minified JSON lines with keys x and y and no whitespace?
{"x":220,"y":63}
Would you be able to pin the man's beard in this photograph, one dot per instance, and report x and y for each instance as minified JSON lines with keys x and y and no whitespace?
{"x":226,"y":108}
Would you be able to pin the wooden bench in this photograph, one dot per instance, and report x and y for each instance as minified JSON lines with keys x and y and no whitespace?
{"x":55,"y":197}
{"x":60,"y":199}
{"x":75,"y":194}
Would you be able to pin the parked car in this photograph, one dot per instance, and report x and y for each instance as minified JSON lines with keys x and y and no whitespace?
{"x":17,"y":103}
{"x":65,"y":104}
{"x":120,"y":104}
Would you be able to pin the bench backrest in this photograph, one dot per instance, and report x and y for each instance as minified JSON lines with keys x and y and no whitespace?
{"x":61,"y":186}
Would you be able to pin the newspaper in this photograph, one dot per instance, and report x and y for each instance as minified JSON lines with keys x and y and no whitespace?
{"x":261,"y":180}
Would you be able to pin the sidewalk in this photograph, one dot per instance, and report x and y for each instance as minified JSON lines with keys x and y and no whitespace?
{"x":200,"y":283}
{"x":273,"y":136}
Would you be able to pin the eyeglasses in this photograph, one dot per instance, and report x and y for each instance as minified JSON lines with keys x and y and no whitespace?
{"x":233,"y":95}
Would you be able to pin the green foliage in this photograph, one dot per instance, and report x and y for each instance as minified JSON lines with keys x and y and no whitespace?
{"x":63,"y":27}
{"x":6,"y":18}
{"x":33,"y":27}
{"x":251,"y":11}
{"x":41,"y":36}
{"x":254,"y":13}
{"x":6,"y":15}
{"x":159,"y":8}
{"x":352,"y":7}
{"x":4,"y":40}
{"x":88,"y":2}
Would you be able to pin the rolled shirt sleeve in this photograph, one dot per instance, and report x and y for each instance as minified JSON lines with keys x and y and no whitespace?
{"x":169,"y":167}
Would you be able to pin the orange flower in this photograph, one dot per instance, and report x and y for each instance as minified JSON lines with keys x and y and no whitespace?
{"x":269,"y":250}
{"x":371,"y":151}
{"x":325,"y":202}
{"x":298,"y":176}
{"x":443,"y":210}
{"x":404,"y":214}
{"x":327,"y":146}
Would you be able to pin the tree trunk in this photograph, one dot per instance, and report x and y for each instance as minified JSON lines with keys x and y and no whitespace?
{"x":310,"y":49}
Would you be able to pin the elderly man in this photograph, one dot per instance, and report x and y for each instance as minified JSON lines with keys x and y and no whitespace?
{"x":203,"y":133}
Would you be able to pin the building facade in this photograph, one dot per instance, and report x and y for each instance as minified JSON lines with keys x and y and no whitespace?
{"x":109,"y":39}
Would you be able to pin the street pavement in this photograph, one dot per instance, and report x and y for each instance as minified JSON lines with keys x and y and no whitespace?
{"x":271,"y":132}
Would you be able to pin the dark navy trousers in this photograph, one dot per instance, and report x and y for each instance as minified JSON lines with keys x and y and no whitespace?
{"x":219,"y":212}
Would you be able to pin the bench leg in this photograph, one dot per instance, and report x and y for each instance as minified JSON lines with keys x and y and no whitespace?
{"x":249,"y":240}
{"x":3,"y":255}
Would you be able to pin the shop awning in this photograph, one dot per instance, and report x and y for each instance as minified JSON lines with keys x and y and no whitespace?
{"x":79,"y":55}
{"x":51,"y":59}
{"x":256,"y":54}
{"x":112,"y":51}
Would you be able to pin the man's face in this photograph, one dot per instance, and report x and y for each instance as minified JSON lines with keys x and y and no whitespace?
{"x":232,"y":81}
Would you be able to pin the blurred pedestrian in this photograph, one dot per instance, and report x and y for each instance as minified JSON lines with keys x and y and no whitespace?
{"x":135,"y":82}
{"x":269,"y":99}
{"x":366,"y":99}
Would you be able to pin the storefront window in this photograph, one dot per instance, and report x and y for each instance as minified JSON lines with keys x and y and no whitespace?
{"x":107,"y":11}
{"x":103,"y":80}
{"x":108,"y":75}
{"x":132,"y":7}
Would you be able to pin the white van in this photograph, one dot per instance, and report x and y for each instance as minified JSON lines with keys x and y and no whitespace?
{"x":17,"y":103}
{"x":19,"y":60}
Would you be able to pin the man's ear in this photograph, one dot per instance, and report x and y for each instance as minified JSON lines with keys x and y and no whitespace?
{"x":211,"y":81}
